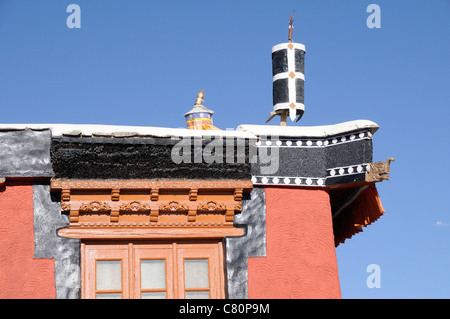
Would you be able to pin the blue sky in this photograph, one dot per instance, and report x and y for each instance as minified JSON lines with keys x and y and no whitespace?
{"x":143,"y":62}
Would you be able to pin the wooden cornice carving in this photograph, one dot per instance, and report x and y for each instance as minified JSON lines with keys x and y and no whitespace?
{"x":134,"y":206}
{"x":95,"y":207}
{"x":65,"y":207}
{"x":211,"y":207}
{"x":149,"y":205}
{"x":173,"y":207}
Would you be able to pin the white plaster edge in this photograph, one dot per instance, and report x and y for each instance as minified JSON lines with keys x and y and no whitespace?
{"x":242,"y":131}
{"x":89,"y":130}
{"x":309,"y":131}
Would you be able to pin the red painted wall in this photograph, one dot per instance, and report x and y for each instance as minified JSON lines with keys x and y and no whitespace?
{"x":301,"y":258}
{"x":21,"y":276}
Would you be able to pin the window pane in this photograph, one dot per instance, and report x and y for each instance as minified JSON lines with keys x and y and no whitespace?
{"x":196,"y":274}
{"x":153,"y":295}
{"x":153,"y":274}
{"x":109,"y":275}
{"x":109,"y":296}
{"x":197,"y":294}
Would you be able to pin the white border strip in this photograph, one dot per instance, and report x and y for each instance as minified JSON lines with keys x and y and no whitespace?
{"x":284,"y":106}
{"x":310,"y":143}
{"x":289,"y":180}
{"x":285,"y":75}
{"x":308,"y":181}
{"x":348,"y":170}
{"x":281,"y":46}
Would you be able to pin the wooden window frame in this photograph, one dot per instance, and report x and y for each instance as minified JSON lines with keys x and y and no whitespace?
{"x":132,"y":252}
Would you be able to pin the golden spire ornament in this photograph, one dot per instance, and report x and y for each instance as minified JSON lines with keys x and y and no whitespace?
{"x":200,"y":118}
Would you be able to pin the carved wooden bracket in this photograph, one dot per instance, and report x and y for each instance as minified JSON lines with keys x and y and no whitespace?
{"x":154,"y":214}
{"x":114,"y":217}
{"x":229,"y":216}
{"x":65,"y":207}
{"x":154,"y":194}
{"x":192,"y":216}
{"x":379,"y":171}
{"x":115,"y":195}
{"x":65,"y":195}
{"x":193,"y":193}
{"x":238,"y":193}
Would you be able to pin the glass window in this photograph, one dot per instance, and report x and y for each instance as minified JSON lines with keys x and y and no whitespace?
{"x":197,"y":294}
{"x":108,"y":296}
{"x":196,"y":276}
{"x":196,"y":273}
{"x":153,"y":295}
{"x":153,"y":274}
{"x":109,"y":275}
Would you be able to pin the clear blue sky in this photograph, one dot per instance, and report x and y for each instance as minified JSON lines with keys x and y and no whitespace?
{"x":143,"y":62}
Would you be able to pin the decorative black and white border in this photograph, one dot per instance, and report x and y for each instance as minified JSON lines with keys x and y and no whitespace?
{"x":336,"y":172}
{"x":314,"y":142}
{"x":284,"y":180}
{"x":348,"y":170}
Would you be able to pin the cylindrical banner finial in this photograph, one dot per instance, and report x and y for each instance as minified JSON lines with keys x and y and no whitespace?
{"x":200,"y":118}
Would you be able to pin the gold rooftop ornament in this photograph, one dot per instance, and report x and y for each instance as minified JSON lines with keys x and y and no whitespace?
{"x":200,"y":118}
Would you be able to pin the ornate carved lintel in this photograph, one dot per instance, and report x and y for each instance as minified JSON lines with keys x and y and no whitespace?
{"x":187,"y":205}
{"x":379,"y":171}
